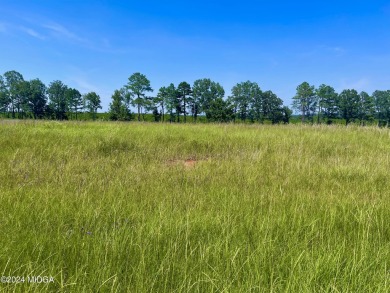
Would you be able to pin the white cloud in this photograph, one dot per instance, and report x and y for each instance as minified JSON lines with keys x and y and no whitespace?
{"x":83,"y":85}
{"x":359,"y":85}
{"x":321,"y":50}
{"x":62,"y":32}
{"x":339,"y":51}
{"x":32,"y":33}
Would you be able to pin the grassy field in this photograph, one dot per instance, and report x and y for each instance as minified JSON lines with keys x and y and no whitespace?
{"x":142,"y":207}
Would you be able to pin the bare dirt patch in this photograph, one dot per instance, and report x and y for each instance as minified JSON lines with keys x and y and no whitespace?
{"x":189,"y":163}
{"x":186,"y":163}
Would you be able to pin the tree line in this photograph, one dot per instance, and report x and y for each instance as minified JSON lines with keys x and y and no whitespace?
{"x":324,"y":104}
{"x":205,"y":97}
{"x":247,"y":102}
{"x":21,"y":99}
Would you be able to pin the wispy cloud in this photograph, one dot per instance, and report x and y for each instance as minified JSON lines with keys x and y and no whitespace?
{"x":360,"y":84}
{"x":79,"y":80}
{"x":339,"y":51}
{"x":49,"y":30}
{"x":82,"y":83}
{"x":85,"y":86}
{"x":11,"y":28}
{"x":321,"y":50}
{"x":32,"y":33}
{"x":62,"y":32}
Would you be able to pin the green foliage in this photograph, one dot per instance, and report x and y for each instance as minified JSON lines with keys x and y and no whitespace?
{"x":13,"y":89}
{"x":36,"y":98}
{"x":138,"y":85}
{"x":245,"y":94}
{"x":220,"y":111}
{"x":327,"y":103}
{"x":281,"y":115}
{"x":305,"y":101}
{"x":255,"y":112}
{"x":92,"y":103}
{"x":205,"y":91}
{"x":348,"y":103}
{"x":22,"y":97}
{"x":4,"y":97}
{"x":366,"y":111}
{"x":173,"y":103}
{"x":161,"y":101}
{"x":31,"y":99}
{"x":184,"y":93}
{"x":58,"y":103}
{"x":156,"y":115}
{"x":272,"y":107}
{"x":249,"y":102}
{"x":75,"y":101}
{"x":382,"y":107}
{"x":118,"y":110}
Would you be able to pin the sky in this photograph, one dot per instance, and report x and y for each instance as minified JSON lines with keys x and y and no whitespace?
{"x":97,"y":45}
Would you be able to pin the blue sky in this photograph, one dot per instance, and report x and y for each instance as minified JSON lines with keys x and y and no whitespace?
{"x":97,"y":45}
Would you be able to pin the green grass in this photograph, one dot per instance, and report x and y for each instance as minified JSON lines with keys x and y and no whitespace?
{"x":112,"y":207}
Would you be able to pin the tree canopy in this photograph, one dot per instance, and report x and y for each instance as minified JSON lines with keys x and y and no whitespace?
{"x":247,"y":103}
{"x":138,"y":85}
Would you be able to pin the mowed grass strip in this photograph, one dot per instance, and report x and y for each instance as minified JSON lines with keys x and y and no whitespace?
{"x":117,"y":207}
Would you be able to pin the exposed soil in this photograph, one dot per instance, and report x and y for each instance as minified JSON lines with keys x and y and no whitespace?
{"x":187,"y":163}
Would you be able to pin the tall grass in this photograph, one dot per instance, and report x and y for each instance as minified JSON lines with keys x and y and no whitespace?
{"x":113,"y":207}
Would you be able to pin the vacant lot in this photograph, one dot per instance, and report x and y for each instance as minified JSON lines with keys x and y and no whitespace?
{"x":135,"y":207}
